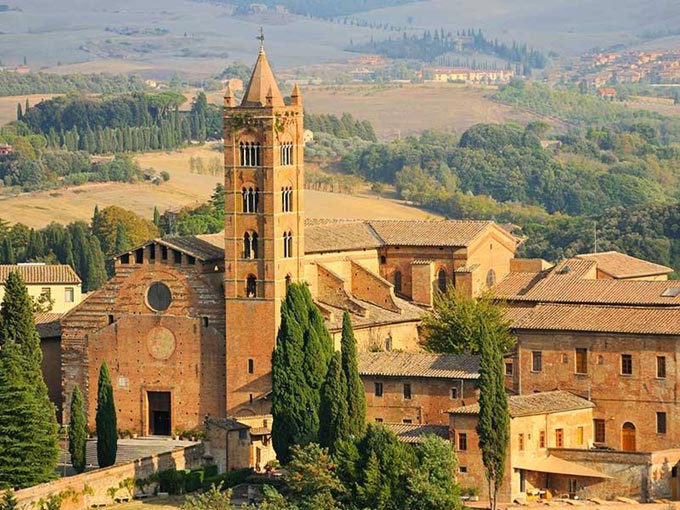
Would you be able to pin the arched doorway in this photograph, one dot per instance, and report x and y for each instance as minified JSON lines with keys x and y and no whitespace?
{"x":628,"y":437}
{"x":442,"y":282}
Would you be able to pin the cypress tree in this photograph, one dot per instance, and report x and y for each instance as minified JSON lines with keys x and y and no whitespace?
{"x":96,"y":265}
{"x":28,"y":427}
{"x":20,"y":114}
{"x":494,"y":419}
{"x":356,"y":398}
{"x":334,"y":419}
{"x":107,"y":433}
{"x":156,"y":216}
{"x":77,"y":432}
{"x":8,"y":255}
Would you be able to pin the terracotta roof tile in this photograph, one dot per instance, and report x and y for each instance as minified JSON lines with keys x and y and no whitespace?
{"x":410,"y":433}
{"x":452,"y":233}
{"x":604,"y":319}
{"x":620,"y":265}
{"x":262,"y":85}
{"x":47,"y":324}
{"x":419,"y":364}
{"x":41,"y":273}
{"x":339,"y":236}
{"x":536,"y":403}
{"x":376,"y":315}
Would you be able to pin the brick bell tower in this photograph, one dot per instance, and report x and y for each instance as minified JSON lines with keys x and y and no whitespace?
{"x":264,"y":229}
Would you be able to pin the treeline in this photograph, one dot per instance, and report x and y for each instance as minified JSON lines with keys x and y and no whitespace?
{"x":433,"y":44}
{"x":123,"y":123}
{"x":585,"y":110}
{"x":86,"y":248}
{"x":15,"y":84}
{"x":320,"y":8}
{"x":345,"y":126}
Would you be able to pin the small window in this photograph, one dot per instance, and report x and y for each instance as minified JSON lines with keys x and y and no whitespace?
{"x":599,"y":429}
{"x":191,"y":260}
{"x":250,"y":398}
{"x":159,"y":297}
{"x":661,"y":367}
{"x":559,"y":438}
{"x":407,"y":391}
{"x":581,"y":361}
{"x":397,"y":281}
{"x":287,"y":245}
{"x":378,"y":420}
{"x":164,"y":253}
{"x":536,"y":361}
{"x":579,"y":435}
{"x":407,"y":421}
{"x":152,"y":252}
{"x":177,"y":256}
{"x":600,"y":360}
{"x":125,"y":259}
{"x":541,"y":439}
{"x":520,"y":442}
{"x":509,"y":368}
{"x":491,"y":278}
{"x":565,"y":358}
{"x":661,"y":423}
{"x":626,"y":364}
{"x":69,"y":295}
{"x":383,"y":259}
{"x":454,"y":393}
{"x":251,"y":286}
{"x":442,"y":282}
{"x":243,"y":434}
{"x":378,"y":389}
{"x":206,"y":322}
{"x":111,"y":319}
{"x":46,"y":293}
{"x":462,"y":441}
{"x":251,"y":366}
{"x":139,"y":256}
{"x":463,"y":469}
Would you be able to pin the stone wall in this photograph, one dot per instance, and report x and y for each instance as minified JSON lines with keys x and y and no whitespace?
{"x":99,"y":481}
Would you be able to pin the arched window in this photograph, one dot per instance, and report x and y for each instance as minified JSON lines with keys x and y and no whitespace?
{"x":250,"y":153}
{"x":286,"y":199}
{"x":397,"y":281}
{"x":287,"y":245}
{"x":250,"y":245}
{"x":442,"y":280}
{"x":251,"y":286}
{"x":287,"y":154}
{"x":251,"y":197}
{"x":491,"y":278}
{"x":244,"y":193}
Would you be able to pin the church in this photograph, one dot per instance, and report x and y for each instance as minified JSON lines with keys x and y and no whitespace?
{"x":187,"y":325}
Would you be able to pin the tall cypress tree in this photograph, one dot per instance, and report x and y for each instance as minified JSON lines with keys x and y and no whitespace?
{"x":494,"y":419}
{"x":28,"y":427}
{"x":107,"y":432}
{"x":8,"y":255}
{"x":334,"y":419}
{"x":77,"y":432}
{"x":356,"y":397}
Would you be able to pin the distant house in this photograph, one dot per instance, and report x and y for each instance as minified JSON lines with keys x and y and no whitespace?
{"x":607,"y":93}
{"x":5,"y":150}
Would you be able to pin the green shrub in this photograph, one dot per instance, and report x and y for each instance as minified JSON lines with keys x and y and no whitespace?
{"x":210,"y":471}
{"x":173,"y":481}
{"x":228,"y":479}
{"x":194,"y":480}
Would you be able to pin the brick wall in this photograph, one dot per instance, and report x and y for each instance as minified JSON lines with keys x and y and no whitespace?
{"x":101,"y":480}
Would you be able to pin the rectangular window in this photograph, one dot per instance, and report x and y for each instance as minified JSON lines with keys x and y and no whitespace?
{"x":508,"y":368}
{"x":661,"y":423}
{"x":407,"y":391}
{"x":251,"y":366}
{"x":559,"y":438}
{"x":378,"y":420}
{"x":139,"y":256}
{"x":598,"y":425}
{"x":462,"y":469}
{"x":541,"y":439}
{"x":579,"y":435}
{"x":661,"y":367}
{"x":177,"y":256}
{"x":581,"y":361}
{"x":69,"y":295}
{"x":46,"y":293}
{"x":626,"y":364}
{"x":164,"y":253}
{"x":407,"y":421}
{"x":243,"y":434}
{"x":454,"y":393}
{"x":536,"y":361}
{"x":378,"y":389}
{"x":462,"y":442}
{"x":521,"y":442}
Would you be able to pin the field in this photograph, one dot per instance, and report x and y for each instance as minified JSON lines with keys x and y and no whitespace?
{"x":8,"y":105}
{"x":183,"y":189}
{"x":403,"y":110}
{"x":161,"y":37}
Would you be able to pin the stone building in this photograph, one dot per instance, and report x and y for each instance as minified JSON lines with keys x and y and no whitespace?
{"x":417,"y":388}
{"x":540,"y":424}
{"x":199,"y":314}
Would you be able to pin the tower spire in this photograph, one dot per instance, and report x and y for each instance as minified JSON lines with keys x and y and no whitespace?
{"x":262,"y":84}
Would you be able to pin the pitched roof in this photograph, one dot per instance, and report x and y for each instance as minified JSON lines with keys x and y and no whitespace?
{"x":339,"y":236}
{"x":536,"y":403}
{"x":620,"y":265}
{"x":419,"y":364}
{"x":41,"y":273}
{"x":203,"y":247}
{"x":604,"y":319}
{"x":452,"y":233}
{"x":410,"y":433}
{"x":47,"y":324}
{"x":262,"y":85}
{"x":375,"y":315}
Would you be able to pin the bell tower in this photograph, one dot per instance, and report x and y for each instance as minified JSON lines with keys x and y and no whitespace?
{"x":264,"y":229}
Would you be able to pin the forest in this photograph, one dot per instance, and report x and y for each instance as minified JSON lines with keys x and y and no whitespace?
{"x":16,"y":84}
{"x":430,"y":46}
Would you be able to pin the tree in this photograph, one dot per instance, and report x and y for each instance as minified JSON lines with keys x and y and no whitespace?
{"x":28,"y":427}
{"x":107,"y":432}
{"x":455,"y":324}
{"x":156,"y":216}
{"x":494,"y":418}
{"x":356,"y":397}
{"x":8,"y":256}
{"x":334,"y":419}
{"x":77,"y":431}
{"x":212,"y":499}
{"x":8,"y":501}
{"x":431,"y":484}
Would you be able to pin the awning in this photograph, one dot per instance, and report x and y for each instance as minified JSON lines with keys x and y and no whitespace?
{"x":557,"y":466}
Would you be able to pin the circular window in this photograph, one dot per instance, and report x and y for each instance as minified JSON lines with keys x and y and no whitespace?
{"x":158,"y":297}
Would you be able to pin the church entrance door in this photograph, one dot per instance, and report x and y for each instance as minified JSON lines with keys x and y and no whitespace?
{"x":159,"y":413}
